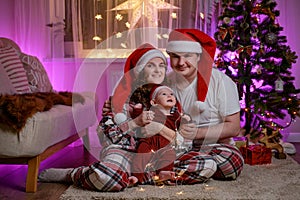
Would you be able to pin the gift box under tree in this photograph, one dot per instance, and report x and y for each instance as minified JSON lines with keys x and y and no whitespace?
{"x":256,"y":154}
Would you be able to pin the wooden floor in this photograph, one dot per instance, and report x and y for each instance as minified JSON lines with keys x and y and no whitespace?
{"x":12,"y":177}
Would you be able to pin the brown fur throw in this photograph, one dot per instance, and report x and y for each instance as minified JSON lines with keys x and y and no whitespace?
{"x":16,"y":109}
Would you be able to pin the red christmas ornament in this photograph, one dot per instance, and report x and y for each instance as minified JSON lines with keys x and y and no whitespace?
{"x":219,"y":62}
{"x":233,"y":64}
{"x":261,"y":49}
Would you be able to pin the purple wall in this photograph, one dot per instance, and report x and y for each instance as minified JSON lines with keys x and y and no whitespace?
{"x":288,"y":19}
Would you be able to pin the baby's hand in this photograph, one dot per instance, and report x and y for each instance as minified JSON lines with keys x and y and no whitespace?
{"x":185,"y":118}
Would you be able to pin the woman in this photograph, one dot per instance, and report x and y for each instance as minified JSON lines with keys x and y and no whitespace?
{"x":112,"y":173}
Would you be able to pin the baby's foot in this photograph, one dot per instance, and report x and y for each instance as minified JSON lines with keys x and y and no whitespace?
{"x":166,"y":175}
{"x":54,"y":175}
{"x":165,"y":178}
{"x":132,"y":181}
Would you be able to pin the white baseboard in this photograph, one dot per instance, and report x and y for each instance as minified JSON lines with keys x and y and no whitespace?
{"x":293,"y":137}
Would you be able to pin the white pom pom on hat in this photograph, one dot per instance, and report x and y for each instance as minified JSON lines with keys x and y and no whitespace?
{"x":201,"y":106}
{"x":119,"y":118}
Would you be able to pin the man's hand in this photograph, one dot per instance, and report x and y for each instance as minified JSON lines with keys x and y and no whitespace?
{"x":188,"y":130}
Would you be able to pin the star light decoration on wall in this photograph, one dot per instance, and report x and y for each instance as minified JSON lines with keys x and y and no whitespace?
{"x":144,"y":12}
{"x":141,"y":9}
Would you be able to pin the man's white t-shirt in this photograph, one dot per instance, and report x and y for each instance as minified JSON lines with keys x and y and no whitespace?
{"x":222,"y":99}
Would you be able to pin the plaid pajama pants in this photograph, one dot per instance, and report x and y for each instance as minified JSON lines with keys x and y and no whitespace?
{"x":108,"y":175}
{"x":218,"y":161}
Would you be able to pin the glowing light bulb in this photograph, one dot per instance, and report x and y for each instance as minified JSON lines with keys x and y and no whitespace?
{"x":202,"y":15}
{"x":98,"y":16}
{"x":127,"y":24}
{"x":118,"y":34}
{"x":97,"y":38}
{"x":174,"y":15}
{"x":119,"y":17}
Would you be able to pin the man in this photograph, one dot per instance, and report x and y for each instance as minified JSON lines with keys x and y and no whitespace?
{"x":211,"y":99}
{"x":209,"y":96}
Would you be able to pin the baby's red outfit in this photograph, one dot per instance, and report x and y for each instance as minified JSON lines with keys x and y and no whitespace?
{"x":155,"y":153}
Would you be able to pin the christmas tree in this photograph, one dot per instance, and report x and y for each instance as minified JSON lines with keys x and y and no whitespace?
{"x":254,"y":54}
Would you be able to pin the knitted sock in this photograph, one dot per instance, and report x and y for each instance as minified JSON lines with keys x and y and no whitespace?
{"x":55,"y":175}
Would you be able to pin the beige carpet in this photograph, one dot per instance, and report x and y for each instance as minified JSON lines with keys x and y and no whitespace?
{"x":279,"y":180}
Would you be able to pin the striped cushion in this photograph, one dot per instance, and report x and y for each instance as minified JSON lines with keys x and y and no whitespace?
{"x":14,"y":68}
{"x":6,"y":86}
{"x":36,"y":74}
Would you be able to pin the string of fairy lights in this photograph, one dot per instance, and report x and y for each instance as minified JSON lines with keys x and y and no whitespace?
{"x":136,"y":11}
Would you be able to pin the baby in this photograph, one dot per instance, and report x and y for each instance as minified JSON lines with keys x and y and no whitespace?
{"x":156,"y":153}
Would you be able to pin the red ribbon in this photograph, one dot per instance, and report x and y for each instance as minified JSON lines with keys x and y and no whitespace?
{"x":247,"y":49}
{"x":224,"y":31}
{"x":267,"y":11}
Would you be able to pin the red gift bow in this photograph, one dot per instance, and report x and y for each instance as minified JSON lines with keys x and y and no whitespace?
{"x":224,"y":31}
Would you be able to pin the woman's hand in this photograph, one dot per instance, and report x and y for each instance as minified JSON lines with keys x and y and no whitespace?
{"x":152,"y":128}
{"x":106,"y":107}
{"x":144,"y":118}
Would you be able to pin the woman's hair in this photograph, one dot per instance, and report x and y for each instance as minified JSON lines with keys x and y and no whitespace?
{"x":142,"y":95}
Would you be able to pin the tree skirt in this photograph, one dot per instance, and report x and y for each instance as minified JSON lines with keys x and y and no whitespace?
{"x":278,"y":180}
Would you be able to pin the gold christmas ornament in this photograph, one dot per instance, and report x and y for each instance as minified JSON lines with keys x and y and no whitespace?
{"x":226,"y":20}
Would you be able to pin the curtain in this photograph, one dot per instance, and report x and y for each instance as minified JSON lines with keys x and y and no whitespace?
{"x":31,"y":32}
{"x":39,"y":31}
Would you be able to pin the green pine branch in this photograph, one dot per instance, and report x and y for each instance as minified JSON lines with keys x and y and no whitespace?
{"x":255,"y":56}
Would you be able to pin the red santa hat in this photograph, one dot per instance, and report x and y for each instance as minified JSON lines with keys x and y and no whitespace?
{"x":135,"y":63}
{"x":195,"y":41}
{"x":156,"y":88}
